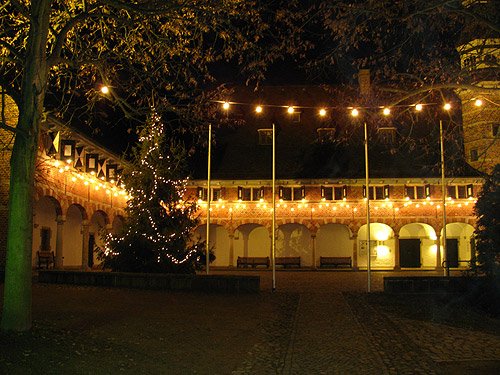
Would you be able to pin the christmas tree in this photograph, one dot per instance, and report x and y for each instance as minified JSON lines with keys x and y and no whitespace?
{"x":157,"y":236}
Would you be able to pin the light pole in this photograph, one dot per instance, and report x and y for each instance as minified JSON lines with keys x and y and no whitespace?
{"x":209,"y":196}
{"x":443,"y":197}
{"x":367,"y":184}
{"x":273,"y":237}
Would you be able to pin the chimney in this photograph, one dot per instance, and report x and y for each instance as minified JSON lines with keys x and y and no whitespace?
{"x":364,"y":82}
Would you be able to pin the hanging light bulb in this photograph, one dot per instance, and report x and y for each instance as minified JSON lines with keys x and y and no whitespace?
{"x":354,"y":112}
{"x":386,"y":111}
{"x":322,"y":112}
{"x":225,"y":105}
{"x":419,"y":107}
{"x":258,"y":109}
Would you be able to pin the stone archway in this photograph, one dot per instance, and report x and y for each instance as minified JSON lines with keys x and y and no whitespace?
{"x":294,"y":240}
{"x":98,"y":229}
{"x":76,"y":216}
{"x":251,"y":240}
{"x":382,"y":246}
{"x":459,"y":247}
{"x":47,"y":212}
{"x":219,"y":243}
{"x":334,"y":240}
{"x":417,"y":240}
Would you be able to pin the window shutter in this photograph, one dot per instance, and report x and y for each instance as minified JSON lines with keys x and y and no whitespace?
{"x":470,"y":191}
{"x":386,"y":191}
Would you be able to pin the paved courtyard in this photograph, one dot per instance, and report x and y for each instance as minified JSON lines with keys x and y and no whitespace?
{"x":315,"y":323}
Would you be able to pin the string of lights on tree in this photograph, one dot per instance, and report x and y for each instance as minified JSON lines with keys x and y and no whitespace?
{"x":146,"y":200}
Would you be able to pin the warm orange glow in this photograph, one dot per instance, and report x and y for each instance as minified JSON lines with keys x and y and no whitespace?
{"x":419,"y":107}
{"x":478,"y":102}
{"x":258,"y":109}
{"x":354,"y":112}
{"x":386,"y":111}
{"x":447,"y":106}
{"x":225,"y":105}
{"x":105,"y":89}
{"x":290,"y":109}
{"x":322,"y":112}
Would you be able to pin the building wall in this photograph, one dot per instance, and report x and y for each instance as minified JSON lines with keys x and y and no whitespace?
{"x":315,"y":227}
{"x":69,"y":203}
{"x":6,"y":142}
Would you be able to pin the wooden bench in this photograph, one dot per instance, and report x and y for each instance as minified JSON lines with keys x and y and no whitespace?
{"x":335,"y":261}
{"x":252,"y":262}
{"x":45,"y":258}
{"x":287,"y":261}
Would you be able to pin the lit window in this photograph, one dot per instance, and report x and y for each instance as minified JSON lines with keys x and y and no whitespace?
{"x":250,"y":193}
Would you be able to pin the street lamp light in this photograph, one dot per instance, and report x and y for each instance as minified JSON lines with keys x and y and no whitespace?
{"x":355,"y":113}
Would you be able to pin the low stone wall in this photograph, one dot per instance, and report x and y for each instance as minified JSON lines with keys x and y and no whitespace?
{"x":174,"y":282}
{"x":430,"y":284}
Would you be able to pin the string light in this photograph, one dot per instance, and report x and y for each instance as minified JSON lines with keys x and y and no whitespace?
{"x":478,"y":102}
{"x":105,"y":89}
{"x":323,"y":110}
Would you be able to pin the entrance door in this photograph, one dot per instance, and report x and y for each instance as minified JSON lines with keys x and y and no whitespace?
{"x":409,"y":252}
{"x":91,"y":250}
{"x":452,"y":252}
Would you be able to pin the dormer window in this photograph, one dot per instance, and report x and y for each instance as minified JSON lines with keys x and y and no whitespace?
{"x":265,"y":137}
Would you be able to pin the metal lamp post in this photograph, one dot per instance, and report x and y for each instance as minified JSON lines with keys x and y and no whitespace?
{"x":443,"y":193}
{"x":273,"y":237}
{"x":209,"y":196}
{"x":367,"y":184}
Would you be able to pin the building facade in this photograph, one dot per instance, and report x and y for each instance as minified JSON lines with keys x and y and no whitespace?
{"x":78,"y":195}
{"x":327,"y":218}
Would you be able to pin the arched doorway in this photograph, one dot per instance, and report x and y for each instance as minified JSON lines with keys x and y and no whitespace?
{"x":219,"y":243}
{"x":73,"y":236}
{"x":417,"y":246}
{"x":251,"y":240}
{"x":117,"y":226}
{"x":382,"y":246}
{"x":294,"y":240}
{"x":47,"y":209}
{"x":459,"y":247}
{"x":333,"y":240}
{"x":97,"y":233}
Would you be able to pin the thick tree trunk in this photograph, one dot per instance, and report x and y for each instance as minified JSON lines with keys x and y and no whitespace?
{"x":16,"y":314}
